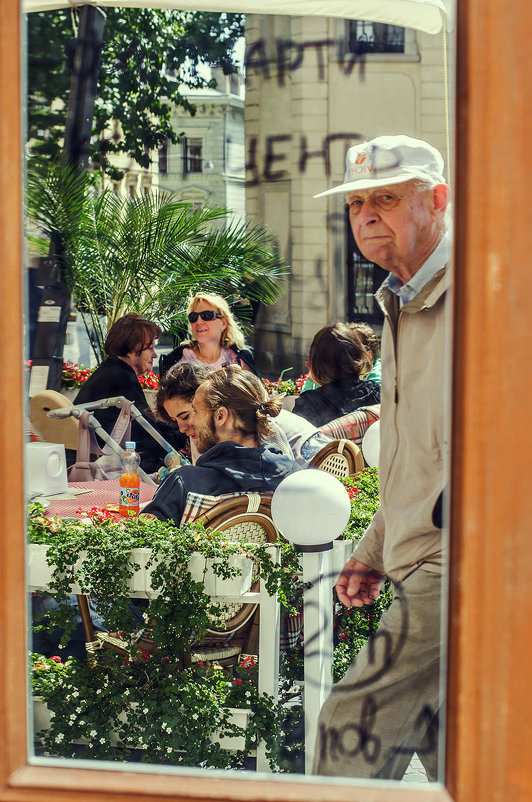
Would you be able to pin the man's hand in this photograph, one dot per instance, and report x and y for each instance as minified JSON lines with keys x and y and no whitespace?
{"x":358,"y":584}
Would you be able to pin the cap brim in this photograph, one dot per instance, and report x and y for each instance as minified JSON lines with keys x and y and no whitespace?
{"x":368,"y":183}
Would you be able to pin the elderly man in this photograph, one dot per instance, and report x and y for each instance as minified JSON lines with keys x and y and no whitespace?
{"x":230,"y":416}
{"x":129,"y":346}
{"x":386,"y":707}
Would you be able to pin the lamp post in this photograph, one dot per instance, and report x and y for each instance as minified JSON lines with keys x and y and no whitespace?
{"x":311,"y":509}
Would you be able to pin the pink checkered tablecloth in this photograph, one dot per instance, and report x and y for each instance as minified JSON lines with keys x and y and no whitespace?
{"x":101,"y":493}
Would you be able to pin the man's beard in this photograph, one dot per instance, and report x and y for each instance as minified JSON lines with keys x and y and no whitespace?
{"x":207,"y":438}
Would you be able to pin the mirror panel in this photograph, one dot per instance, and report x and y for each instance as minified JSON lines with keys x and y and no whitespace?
{"x":263,"y":147}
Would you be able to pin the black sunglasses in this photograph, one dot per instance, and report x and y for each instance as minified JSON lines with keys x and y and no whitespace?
{"x":208,"y":314}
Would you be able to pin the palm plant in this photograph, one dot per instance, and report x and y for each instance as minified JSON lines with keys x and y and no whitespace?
{"x":148,"y":254}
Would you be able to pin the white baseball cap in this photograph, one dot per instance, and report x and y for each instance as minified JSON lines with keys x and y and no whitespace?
{"x":389,"y":160}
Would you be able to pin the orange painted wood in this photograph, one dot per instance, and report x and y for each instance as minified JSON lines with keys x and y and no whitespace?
{"x":490,"y":729}
{"x":12,"y":626}
{"x":490,"y":640}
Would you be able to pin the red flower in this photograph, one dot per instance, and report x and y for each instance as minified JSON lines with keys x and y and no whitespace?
{"x":237,"y":681}
{"x":56,"y":659}
{"x":342,"y":635}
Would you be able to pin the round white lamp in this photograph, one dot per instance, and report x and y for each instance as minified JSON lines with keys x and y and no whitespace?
{"x":371,"y":444}
{"x":311,"y":508}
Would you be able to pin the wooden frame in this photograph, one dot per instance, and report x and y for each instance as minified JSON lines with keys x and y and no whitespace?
{"x":490,"y":643}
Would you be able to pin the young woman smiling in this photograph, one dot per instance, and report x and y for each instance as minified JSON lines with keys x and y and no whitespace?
{"x":217,"y":339}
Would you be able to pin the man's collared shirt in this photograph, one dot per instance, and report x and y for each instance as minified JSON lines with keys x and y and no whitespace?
{"x":438,"y":258}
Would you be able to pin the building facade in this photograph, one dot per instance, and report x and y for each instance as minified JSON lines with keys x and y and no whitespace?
{"x":314,"y":87}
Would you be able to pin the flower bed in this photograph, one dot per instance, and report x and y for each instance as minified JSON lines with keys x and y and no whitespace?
{"x":147,"y":701}
{"x":75,"y":375}
{"x":282,"y":386}
{"x":194,"y":716}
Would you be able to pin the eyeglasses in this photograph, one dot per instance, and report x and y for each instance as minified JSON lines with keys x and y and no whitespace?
{"x":208,"y":314}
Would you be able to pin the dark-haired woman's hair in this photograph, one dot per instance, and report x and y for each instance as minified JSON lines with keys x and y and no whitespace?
{"x":370,"y":338}
{"x":131,"y":333}
{"x":337,"y":351}
{"x":245,"y":396}
{"x":180,"y":380}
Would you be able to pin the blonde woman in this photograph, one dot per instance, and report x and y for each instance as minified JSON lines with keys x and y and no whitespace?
{"x":216,"y":338}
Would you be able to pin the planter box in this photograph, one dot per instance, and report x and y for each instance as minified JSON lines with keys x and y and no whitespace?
{"x":239,"y":716}
{"x":40,"y":574}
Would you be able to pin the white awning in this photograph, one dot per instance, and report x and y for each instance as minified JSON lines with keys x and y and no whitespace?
{"x":424,"y":15}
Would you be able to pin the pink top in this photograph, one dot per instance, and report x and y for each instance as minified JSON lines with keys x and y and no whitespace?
{"x":227,"y":355}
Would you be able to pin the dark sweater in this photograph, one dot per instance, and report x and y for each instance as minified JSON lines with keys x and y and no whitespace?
{"x":115,"y":377}
{"x":225,"y":468}
{"x":336,"y":399}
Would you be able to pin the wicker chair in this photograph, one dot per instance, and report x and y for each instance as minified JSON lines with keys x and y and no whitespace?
{"x":49,"y":429}
{"x":246,"y":517}
{"x":339,"y":458}
{"x":354,"y":425}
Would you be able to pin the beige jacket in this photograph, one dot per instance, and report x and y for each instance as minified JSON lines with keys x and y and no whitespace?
{"x":402,"y":536}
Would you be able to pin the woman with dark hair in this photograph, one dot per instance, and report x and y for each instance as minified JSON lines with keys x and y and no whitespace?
{"x":337,"y":359}
{"x":130,"y":353}
{"x":173,"y":403}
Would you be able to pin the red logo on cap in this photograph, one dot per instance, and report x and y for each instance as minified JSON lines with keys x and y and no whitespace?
{"x":360,"y":158}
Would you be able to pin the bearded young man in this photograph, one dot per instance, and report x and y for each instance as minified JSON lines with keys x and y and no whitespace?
{"x":386,"y":707}
{"x":231,"y":412}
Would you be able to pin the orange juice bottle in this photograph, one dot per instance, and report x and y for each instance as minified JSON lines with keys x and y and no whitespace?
{"x":130,"y":482}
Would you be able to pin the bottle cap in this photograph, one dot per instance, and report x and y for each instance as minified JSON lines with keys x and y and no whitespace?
{"x":130,"y":445}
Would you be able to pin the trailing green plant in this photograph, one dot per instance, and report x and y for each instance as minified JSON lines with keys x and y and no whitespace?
{"x":98,"y":555}
{"x":153,"y":711}
{"x":147,"y":701}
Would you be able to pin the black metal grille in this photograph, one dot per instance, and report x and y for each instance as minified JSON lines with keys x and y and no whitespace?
{"x":375,"y":37}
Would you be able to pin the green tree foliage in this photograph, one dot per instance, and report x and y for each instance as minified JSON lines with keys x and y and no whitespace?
{"x":148,"y":55}
{"x":147,"y":254}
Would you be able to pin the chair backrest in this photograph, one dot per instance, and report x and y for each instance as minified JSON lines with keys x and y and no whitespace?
{"x":354,"y":425}
{"x":52,"y":430}
{"x":339,"y":458}
{"x":245,"y":517}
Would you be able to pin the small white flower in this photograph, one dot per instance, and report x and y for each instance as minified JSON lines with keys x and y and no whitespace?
{"x":169,"y":750}
{"x":60,"y":737}
{"x":195,"y":716}
{"x":144,"y":709}
{"x":81,"y":723}
{"x":102,"y":740}
{"x":75,"y":694}
{"x":99,"y":691}
{"x":78,"y":709}
{"x":93,"y":733}
{"x":126,"y":692}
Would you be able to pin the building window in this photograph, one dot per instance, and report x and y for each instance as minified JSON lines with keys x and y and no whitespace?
{"x":192,"y":155}
{"x":163,"y":158}
{"x":375,"y":37}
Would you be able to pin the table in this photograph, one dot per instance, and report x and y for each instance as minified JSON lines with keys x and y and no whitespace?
{"x":99,"y":494}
